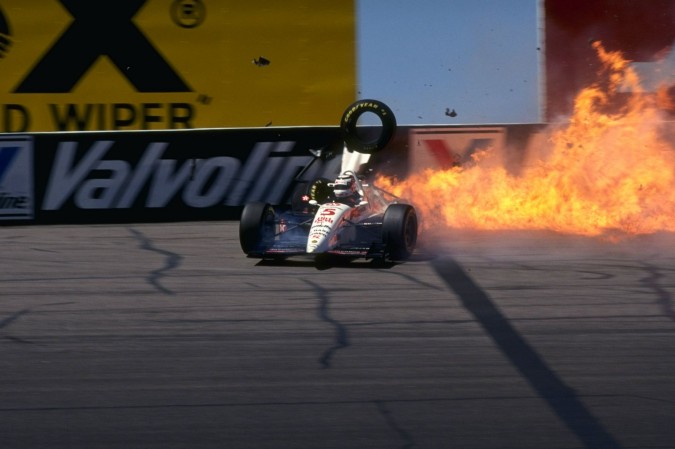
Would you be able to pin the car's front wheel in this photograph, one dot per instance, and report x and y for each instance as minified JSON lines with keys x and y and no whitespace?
{"x":256,"y":228}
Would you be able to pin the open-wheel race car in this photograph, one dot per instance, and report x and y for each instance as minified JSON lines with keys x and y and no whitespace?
{"x":348,"y":216}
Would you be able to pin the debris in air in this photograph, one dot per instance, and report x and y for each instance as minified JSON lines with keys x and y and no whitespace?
{"x":261,"y":62}
{"x":450,"y":113}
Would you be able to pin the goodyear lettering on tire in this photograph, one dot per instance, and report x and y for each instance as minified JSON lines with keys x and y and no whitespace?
{"x":350,"y":134}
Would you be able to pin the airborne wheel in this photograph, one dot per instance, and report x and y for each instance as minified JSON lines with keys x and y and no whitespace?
{"x":350,"y":133}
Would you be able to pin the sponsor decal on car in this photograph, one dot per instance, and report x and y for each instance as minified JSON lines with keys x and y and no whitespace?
{"x":324,"y":219}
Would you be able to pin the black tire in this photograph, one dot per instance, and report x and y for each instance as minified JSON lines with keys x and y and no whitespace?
{"x":317,"y":190}
{"x":256,"y":228}
{"x":350,"y":118}
{"x":399,"y":231}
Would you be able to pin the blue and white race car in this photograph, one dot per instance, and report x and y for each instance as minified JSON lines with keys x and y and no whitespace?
{"x":348,"y":216}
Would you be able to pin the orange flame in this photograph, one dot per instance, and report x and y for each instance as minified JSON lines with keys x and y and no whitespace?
{"x":604,"y":172}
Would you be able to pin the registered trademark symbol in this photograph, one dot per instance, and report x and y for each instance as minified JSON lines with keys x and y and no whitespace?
{"x":188,"y":13}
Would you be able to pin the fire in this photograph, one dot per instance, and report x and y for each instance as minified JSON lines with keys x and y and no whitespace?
{"x":609,"y":169}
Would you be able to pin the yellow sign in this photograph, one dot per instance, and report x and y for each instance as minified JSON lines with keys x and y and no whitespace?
{"x":73,"y":65}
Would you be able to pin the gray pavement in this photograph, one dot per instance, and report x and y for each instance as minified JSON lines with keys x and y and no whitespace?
{"x":166,"y":336}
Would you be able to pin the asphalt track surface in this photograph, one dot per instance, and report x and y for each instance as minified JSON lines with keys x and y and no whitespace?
{"x":166,"y":336}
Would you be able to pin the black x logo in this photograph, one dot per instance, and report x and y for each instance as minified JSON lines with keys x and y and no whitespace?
{"x":102,"y":28}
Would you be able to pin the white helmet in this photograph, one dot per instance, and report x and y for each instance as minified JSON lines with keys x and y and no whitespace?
{"x":344,"y":186}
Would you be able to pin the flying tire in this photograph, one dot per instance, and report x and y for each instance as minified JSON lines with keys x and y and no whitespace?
{"x":350,"y":134}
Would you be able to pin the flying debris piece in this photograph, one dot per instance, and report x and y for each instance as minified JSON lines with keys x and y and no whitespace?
{"x":268,"y":124}
{"x":261,"y":62}
{"x":450,"y":113}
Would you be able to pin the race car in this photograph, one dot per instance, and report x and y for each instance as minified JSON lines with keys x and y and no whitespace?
{"x":348,"y":216}
{"x":356,"y":220}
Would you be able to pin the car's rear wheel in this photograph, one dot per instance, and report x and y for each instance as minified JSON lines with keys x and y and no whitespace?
{"x":256,"y":228}
{"x":399,"y":231}
{"x":317,"y":190}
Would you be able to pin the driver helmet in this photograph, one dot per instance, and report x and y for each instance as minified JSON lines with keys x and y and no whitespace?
{"x":344,"y":186}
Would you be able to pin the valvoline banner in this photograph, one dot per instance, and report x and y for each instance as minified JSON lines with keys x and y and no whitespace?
{"x":173,"y":175}
{"x":82,"y":65}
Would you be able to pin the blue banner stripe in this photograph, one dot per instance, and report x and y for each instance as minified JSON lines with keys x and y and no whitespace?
{"x":7,"y":156}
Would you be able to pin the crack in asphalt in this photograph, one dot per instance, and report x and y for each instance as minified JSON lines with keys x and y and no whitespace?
{"x":409,"y":442}
{"x":328,"y":403}
{"x":172,"y":261}
{"x":414,"y":280}
{"x":341,"y":335}
{"x":663,"y":298}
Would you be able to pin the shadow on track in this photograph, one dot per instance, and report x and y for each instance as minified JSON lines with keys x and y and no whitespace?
{"x":561,"y":398}
{"x":326,"y":262}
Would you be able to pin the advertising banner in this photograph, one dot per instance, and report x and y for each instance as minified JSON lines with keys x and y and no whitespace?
{"x":203,"y":174}
{"x":82,"y":65}
{"x":16,"y":178}
{"x":443,"y":148}
{"x":173,"y":176}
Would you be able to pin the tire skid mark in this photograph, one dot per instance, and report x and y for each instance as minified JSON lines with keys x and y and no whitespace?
{"x":341,"y":335}
{"x":594,"y":275}
{"x":663,"y":297}
{"x":414,"y":280}
{"x":172,"y":261}
{"x":8,"y":321}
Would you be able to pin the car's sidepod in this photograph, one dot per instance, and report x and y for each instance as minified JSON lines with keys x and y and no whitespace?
{"x":323,"y":234}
